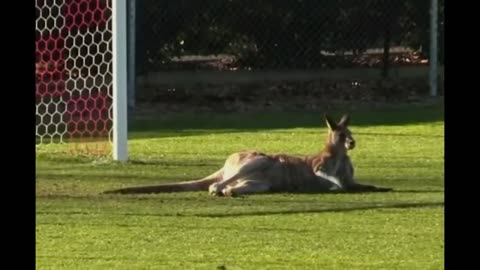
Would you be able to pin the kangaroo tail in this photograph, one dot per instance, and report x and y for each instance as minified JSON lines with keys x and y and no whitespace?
{"x":196,"y":185}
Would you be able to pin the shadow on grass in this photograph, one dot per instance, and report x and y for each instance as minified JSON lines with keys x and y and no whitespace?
{"x":189,"y":124}
{"x":327,"y":210}
{"x":207,"y":227}
{"x":418,"y":191}
{"x":233,"y":213}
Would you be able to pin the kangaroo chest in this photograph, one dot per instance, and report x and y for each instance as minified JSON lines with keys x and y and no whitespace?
{"x":334,"y":165}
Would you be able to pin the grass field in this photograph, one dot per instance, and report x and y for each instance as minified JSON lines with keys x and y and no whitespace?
{"x":79,"y":229}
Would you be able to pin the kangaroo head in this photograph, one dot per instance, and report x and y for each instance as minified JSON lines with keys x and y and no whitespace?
{"x":339,"y":136}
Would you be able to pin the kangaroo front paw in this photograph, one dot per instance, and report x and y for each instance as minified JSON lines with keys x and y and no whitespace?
{"x":214,"y":190}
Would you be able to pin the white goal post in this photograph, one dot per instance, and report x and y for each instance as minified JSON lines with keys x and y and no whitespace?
{"x":81,"y":74}
{"x":120,"y":109}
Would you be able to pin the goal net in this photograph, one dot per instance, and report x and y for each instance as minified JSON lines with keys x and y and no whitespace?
{"x":74,"y":76}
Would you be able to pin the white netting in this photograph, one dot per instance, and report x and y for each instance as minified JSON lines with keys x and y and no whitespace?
{"x":74,"y":73}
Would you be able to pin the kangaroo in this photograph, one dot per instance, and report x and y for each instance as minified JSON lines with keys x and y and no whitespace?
{"x":253,"y":172}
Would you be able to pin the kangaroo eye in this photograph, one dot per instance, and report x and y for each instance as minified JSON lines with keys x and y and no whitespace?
{"x":341,"y":136}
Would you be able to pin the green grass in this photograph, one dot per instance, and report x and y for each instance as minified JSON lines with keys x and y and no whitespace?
{"x":79,"y":229}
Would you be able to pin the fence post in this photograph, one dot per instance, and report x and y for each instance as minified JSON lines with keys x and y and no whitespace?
{"x":131,"y":57}
{"x":433,"y":48}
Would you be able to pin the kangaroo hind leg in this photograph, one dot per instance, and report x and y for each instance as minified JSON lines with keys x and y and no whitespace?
{"x":245,"y":187}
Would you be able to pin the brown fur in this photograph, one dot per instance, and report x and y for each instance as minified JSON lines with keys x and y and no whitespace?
{"x":250,"y":172}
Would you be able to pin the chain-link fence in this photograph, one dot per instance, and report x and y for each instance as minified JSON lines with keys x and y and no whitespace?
{"x":295,"y":34}
{"x":233,"y":42}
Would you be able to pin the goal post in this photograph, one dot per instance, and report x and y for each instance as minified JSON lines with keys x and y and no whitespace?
{"x":120,"y":109}
{"x":81,"y":76}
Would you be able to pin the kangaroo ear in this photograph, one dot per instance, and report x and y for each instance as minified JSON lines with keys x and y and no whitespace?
{"x":330,"y":123}
{"x":345,"y":121}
